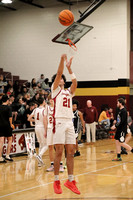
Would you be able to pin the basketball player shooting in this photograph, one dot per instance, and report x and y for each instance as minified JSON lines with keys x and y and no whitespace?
{"x":64,"y":130}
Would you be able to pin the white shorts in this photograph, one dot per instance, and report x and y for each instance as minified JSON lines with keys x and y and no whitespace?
{"x":49,"y":136}
{"x":64,"y":132}
{"x":40,"y":135}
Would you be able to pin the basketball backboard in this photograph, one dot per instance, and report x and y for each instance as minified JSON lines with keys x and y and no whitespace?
{"x":73,"y":32}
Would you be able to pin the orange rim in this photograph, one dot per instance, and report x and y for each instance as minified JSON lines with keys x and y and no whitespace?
{"x":71,"y":44}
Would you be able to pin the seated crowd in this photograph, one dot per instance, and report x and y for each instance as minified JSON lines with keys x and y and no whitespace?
{"x":106,"y":117}
{"x":23,"y":98}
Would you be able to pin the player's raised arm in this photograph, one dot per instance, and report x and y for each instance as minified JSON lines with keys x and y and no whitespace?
{"x":59,"y":71}
{"x":73,"y":77}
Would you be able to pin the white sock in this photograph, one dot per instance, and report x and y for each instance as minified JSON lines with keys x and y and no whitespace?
{"x":43,"y":150}
{"x":70,"y":177}
{"x":56,"y":177}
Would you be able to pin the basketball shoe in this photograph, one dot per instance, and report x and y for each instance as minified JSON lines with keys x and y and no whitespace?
{"x":39,"y":164}
{"x":61,"y":168}
{"x":77,"y":153}
{"x":9,"y":158}
{"x":2,"y":160}
{"x":39,"y":159}
{"x":117,"y":159}
{"x":57,"y":187}
{"x":123,"y":151}
{"x":72,"y":186}
{"x":51,"y":168}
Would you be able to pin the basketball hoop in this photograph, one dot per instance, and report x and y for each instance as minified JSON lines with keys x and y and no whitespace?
{"x":71,"y":44}
{"x":72,"y":34}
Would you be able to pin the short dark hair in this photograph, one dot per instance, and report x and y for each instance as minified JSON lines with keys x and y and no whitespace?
{"x":122,"y":97}
{"x":34,"y":85}
{"x":40,"y":100}
{"x":74,"y":101}
{"x":24,"y":99}
{"x":31,"y":104}
{"x":46,"y":80}
{"x":12,"y":95}
{"x":5,"y":98}
{"x":122,"y":101}
{"x":63,"y":76}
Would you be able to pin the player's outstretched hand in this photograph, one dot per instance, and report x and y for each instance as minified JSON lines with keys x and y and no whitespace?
{"x":68,"y":63}
{"x":64,"y":56}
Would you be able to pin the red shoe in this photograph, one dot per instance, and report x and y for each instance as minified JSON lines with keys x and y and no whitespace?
{"x":117,"y":159}
{"x":57,"y":187}
{"x":72,"y":186}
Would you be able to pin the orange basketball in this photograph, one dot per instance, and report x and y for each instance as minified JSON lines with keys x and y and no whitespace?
{"x":66,"y":17}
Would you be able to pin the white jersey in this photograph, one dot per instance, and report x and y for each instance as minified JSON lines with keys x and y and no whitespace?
{"x":50,"y":111}
{"x":38,"y":114}
{"x":62,"y":103}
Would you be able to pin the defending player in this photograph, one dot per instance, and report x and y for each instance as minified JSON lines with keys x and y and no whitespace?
{"x":78,"y":116}
{"x":64,"y":130}
{"x":39,"y":114}
{"x":121,"y":129}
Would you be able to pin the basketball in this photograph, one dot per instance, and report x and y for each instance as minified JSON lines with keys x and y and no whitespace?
{"x":66,"y":17}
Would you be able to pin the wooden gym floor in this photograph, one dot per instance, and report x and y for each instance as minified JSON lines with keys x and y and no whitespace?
{"x":96,"y":175}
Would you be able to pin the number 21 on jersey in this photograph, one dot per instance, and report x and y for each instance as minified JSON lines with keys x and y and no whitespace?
{"x":66,"y":102}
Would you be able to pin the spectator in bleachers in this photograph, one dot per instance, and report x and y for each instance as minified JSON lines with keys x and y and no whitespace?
{"x":21,"y":110}
{"x":28,"y":84}
{"x":24,"y":90}
{"x":44,"y":94}
{"x":45,"y":85}
{"x":33,"y":81}
{"x":27,"y":97}
{"x":41,"y":79}
{"x":28,"y":111}
{"x":1,"y":89}
{"x":33,"y":90}
{"x":103,"y":119}
{"x":16,"y":88}
{"x":110,"y":115}
{"x":11,"y":99}
{"x":9,"y":91}
{"x":35,"y":98}
{"x":8,"y":86}
{"x":3,"y":82}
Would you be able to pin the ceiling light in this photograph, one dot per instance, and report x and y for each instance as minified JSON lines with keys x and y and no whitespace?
{"x":6,"y":1}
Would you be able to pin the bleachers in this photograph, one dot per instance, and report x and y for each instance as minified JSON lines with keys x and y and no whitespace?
{"x":13,"y":78}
